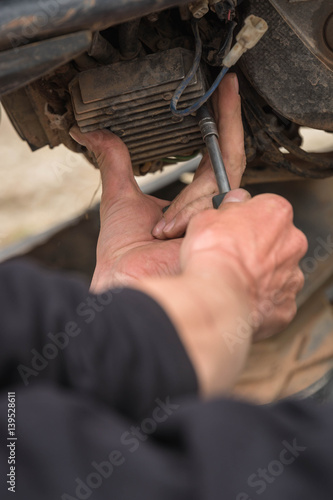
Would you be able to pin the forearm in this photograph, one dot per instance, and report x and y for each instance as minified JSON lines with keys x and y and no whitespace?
{"x":210,"y":323}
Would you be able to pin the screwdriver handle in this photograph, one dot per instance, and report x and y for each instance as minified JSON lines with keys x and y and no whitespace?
{"x":217,"y":200}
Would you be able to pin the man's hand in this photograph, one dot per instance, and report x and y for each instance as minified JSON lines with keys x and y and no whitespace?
{"x":128,"y":248}
{"x":239,"y":281}
{"x":261,"y":251}
{"x":235,"y":275}
{"x":198,"y":195}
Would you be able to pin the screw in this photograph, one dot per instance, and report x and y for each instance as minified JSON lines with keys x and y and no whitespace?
{"x":167,"y":96}
{"x":177,"y":119}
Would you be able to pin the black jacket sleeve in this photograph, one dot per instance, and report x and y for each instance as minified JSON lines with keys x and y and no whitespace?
{"x":114,"y":414}
{"x":119,"y":347}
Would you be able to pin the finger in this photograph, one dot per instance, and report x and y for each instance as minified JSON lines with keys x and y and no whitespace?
{"x":202,"y":185}
{"x":231,"y":130}
{"x":282,"y":319}
{"x":113,"y":159}
{"x":228,"y":102}
{"x":296,"y":281}
{"x":301,"y":243}
{"x":236,"y":196}
{"x":178,"y":225}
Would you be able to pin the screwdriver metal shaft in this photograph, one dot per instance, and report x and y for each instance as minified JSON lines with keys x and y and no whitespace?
{"x":210,"y":135}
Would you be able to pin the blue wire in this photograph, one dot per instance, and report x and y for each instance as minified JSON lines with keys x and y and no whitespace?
{"x":189,"y":77}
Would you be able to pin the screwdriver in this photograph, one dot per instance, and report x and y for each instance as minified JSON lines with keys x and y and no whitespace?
{"x":210,"y":136}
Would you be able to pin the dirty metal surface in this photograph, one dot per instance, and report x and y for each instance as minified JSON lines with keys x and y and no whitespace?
{"x":24,"y":21}
{"x":41,"y":112}
{"x":132,"y":99}
{"x":312,"y":21}
{"x":23,"y":65}
{"x":266,"y":133}
{"x":293,"y":81}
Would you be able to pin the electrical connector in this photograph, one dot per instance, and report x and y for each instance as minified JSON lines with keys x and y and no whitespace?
{"x":252,"y":32}
{"x":199,"y":8}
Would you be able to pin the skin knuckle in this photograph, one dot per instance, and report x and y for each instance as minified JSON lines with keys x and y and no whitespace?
{"x":284,"y":208}
{"x":281,"y":207}
{"x":302,"y":241}
{"x":291,"y":312}
{"x":301,"y":281}
{"x":288,"y":313}
{"x":298,"y":243}
{"x":296,"y":281}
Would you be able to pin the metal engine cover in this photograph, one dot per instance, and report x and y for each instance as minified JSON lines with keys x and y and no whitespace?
{"x":283,"y":70}
{"x":132,"y":99}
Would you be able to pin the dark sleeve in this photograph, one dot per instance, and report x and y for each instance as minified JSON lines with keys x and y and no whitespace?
{"x":119,"y":347}
{"x":72,"y":447}
{"x":73,"y":442}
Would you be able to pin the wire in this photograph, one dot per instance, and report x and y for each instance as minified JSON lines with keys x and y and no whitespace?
{"x":226,"y":46}
{"x":189,"y":77}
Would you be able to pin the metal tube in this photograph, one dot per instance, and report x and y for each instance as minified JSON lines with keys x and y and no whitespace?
{"x":216,"y":160}
{"x":129,"y":44}
{"x":210,"y":135}
{"x":25,"y":21}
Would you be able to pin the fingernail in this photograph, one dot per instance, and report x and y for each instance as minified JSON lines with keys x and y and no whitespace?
{"x":237,"y":196}
{"x":236,"y":83}
{"x":158,"y":229}
{"x":169,"y":226}
{"x":75,"y":136}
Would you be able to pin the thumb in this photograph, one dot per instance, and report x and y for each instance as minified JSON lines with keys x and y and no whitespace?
{"x":112,"y":157}
{"x":236,"y":196}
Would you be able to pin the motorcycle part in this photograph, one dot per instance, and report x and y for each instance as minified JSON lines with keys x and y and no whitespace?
{"x":312,"y":21}
{"x":294,"y":82}
{"x":199,"y":8}
{"x":132,"y":99}
{"x":248,"y":37}
{"x":252,"y":32}
{"x":289,"y":86}
{"x":25,"y":21}
{"x":23,"y":65}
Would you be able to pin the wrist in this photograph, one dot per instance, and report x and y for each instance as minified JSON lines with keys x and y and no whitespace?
{"x":206,"y":320}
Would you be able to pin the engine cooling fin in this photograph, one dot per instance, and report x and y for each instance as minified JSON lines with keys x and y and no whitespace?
{"x":132,"y":99}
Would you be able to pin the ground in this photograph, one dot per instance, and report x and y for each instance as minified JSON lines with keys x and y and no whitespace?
{"x":40,"y":189}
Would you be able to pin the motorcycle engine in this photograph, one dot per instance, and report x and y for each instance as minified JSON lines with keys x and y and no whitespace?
{"x":132,"y":98}
{"x":129,"y":73}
